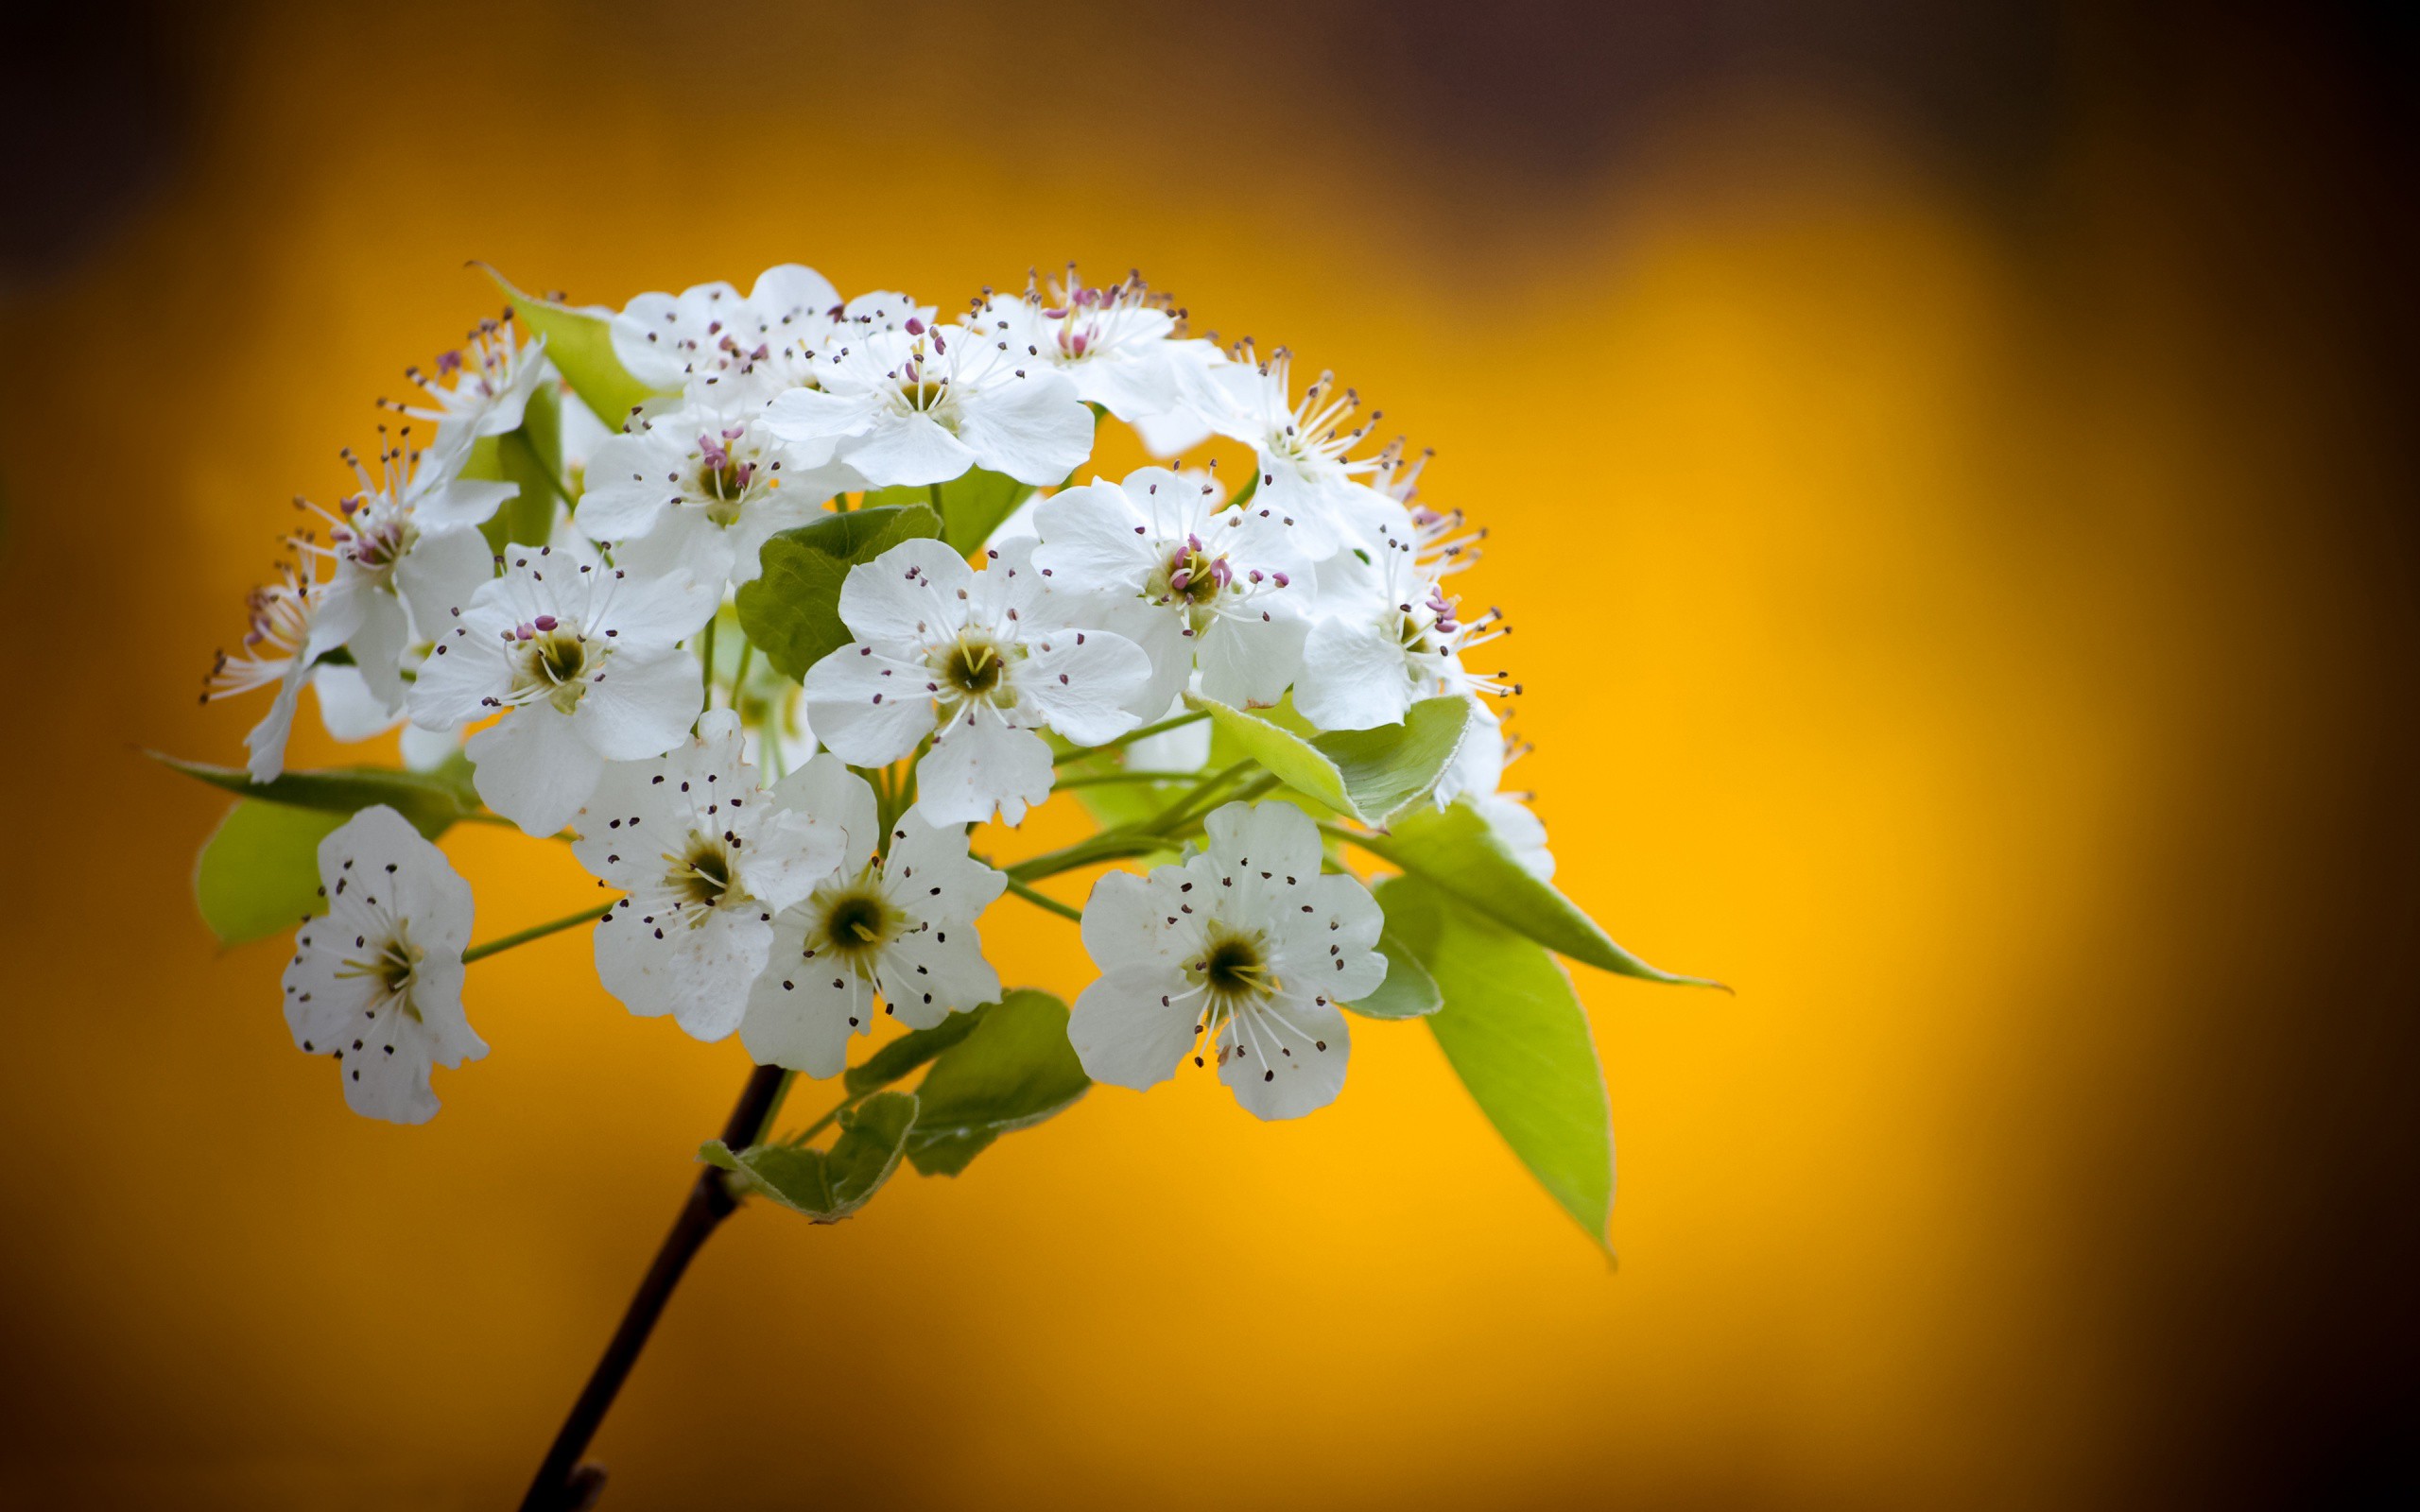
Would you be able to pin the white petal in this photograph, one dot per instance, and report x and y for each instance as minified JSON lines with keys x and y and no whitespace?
{"x":1089,"y":540}
{"x":460,"y":673}
{"x":1034,"y":429}
{"x":1081,"y":684}
{"x":631,"y":482}
{"x":440,"y":574}
{"x":639,"y":705}
{"x":870,"y":710}
{"x":1274,"y":837}
{"x":1248,"y":661}
{"x":532,"y":768}
{"x":700,"y":973}
{"x":909,"y":451}
{"x":907,"y":596}
{"x":929,"y":873}
{"x":1353,"y":676}
{"x":1130,"y":924}
{"x":801,"y":1013}
{"x":463,"y":501}
{"x":1130,"y":1029}
{"x":347,"y":707}
{"x":1287,"y":1059}
{"x":979,"y":763}
{"x":927,"y":977}
{"x":825,"y":787}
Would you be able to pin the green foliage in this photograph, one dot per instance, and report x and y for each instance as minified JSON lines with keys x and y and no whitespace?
{"x":580,"y":345}
{"x":1012,"y":1071}
{"x":1408,"y":991}
{"x":433,"y":802}
{"x":827,"y":1185}
{"x":1368,"y":775}
{"x":259,"y":871}
{"x":1517,"y":1036}
{"x":1453,"y":851}
{"x":792,"y":611}
{"x":972,"y":504}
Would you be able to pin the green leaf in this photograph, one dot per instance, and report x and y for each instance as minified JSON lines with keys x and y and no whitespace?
{"x":1454,"y":850}
{"x":259,"y":871}
{"x":531,"y":458}
{"x":827,"y":1185}
{"x":792,"y":611}
{"x":580,"y":345}
{"x":1368,"y":775}
{"x":1408,"y":991}
{"x":433,"y":802}
{"x":910,"y":1050}
{"x":972,"y":504}
{"x":1015,"y":1069}
{"x":1517,"y":1036}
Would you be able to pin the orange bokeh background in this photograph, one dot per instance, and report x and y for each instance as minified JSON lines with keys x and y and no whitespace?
{"x":1964,"y":604}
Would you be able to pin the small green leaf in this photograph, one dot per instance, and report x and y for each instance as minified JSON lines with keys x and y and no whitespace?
{"x":792,"y":611}
{"x":259,"y":871}
{"x":827,"y":1185}
{"x":1453,"y":851}
{"x":1015,"y":1069}
{"x":434,"y":801}
{"x":910,"y":1050}
{"x":580,"y":345}
{"x":1408,"y":991}
{"x":1517,"y":1036}
{"x":1368,"y":775}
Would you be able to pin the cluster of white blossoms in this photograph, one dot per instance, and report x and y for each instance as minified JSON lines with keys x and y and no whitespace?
{"x":618,"y":593}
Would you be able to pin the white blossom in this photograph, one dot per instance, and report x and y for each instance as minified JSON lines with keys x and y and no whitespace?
{"x":922,"y":404}
{"x":282,"y":639}
{"x":583,"y":662}
{"x":1192,"y":584}
{"x":705,"y":857}
{"x":485,"y":396}
{"x":979,"y":662}
{"x":404,"y":550}
{"x":378,"y":982}
{"x":1306,"y":476}
{"x":1120,"y":346}
{"x":700,"y":488}
{"x":1389,"y":637}
{"x":898,"y":928}
{"x":665,"y":341}
{"x":1242,"y":952}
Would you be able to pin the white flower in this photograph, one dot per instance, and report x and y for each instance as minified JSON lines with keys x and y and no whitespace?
{"x":700,"y":488}
{"x":405,"y":550}
{"x":1307,"y":477}
{"x":584,"y":664}
{"x":377,"y":983}
{"x":705,"y":857}
{"x":282,"y":638}
{"x":899,"y":928}
{"x":1192,"y":584}
{"x":483,"y":397}
{"x":1117,"y":345}
{"x":922,"y":404}
{"x":980,"y":661}
{"x":1246,"y":945}
{"x":664,"y":340}
{"x":1390,"y":637}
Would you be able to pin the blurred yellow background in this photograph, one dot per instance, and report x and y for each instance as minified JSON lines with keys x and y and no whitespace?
{"x":1946,"y":476}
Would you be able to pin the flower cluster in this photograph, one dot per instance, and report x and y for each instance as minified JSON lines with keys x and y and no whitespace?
{"x":581,"y":598}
